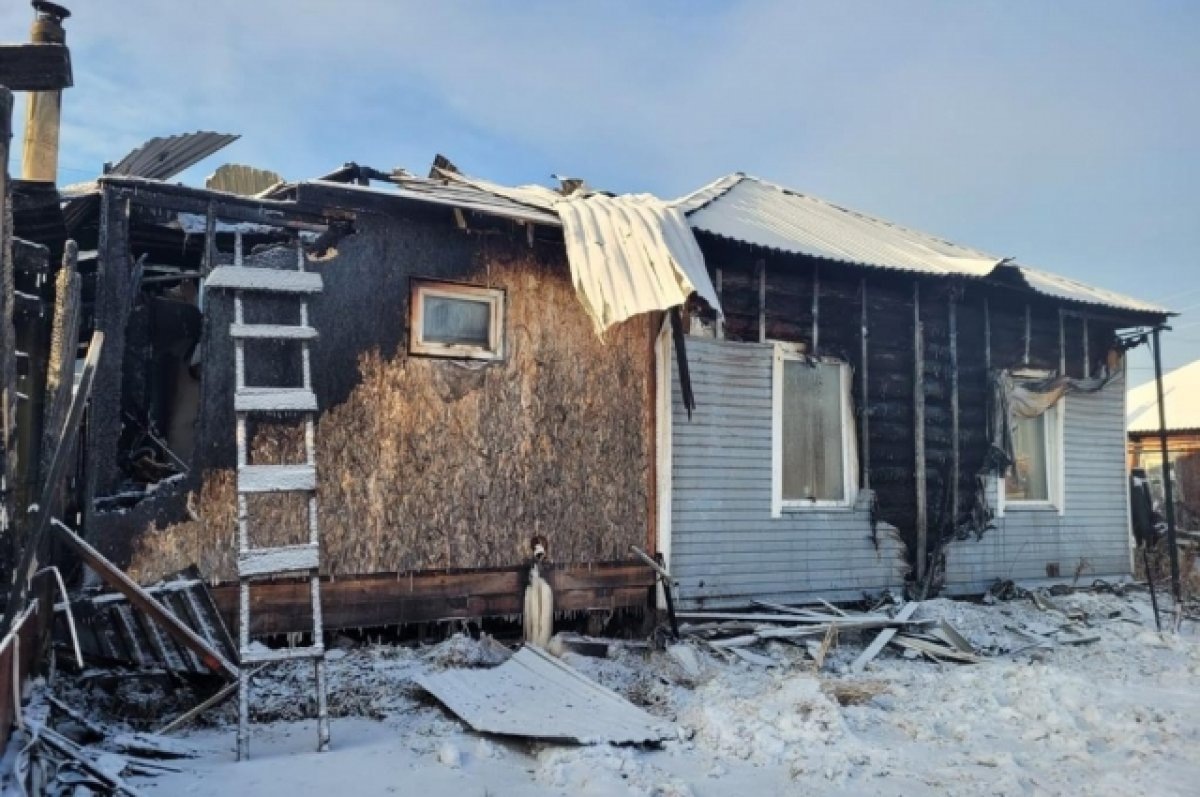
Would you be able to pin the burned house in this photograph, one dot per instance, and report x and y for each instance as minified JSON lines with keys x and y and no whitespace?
{"x":854,"y":407}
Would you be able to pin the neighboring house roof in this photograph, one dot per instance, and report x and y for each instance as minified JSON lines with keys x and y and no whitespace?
{"x":1181,"y":397}
{"x":754,"y":211}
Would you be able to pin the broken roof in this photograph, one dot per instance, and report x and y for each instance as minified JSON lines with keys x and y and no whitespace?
{"x":744,"y":208}
{"x":628,"y":254}
{"x":1181,"y":399}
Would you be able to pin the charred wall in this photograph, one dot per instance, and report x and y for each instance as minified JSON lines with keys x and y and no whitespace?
{"x":426,"y":463}
{"x":966,"y":328}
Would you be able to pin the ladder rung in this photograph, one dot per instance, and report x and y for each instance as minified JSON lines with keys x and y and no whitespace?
{"x":272,"y":332}
{"x":245,"y":278}
{"x":265,"y":655}
{"x":276,"y":478}
{"x":275,"y":561}
{"x":274,"y":399}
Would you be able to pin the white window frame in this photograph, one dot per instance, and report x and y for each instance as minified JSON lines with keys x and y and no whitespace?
{"x":494,"y":297}
{"x":790,"y":352}
{"x":1055,"y":468}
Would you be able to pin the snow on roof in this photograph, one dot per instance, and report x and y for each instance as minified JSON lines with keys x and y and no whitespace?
{"x":1181,"y":395}
{"x":754,"y":211}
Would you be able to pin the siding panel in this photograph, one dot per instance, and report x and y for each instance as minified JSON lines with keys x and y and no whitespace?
{"x":1093,"y":529}
{"x":726,"y":549}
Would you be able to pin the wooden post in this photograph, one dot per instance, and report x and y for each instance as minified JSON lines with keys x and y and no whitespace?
{"x":762,"y":300}
{"x":1087,"y":355}
{"x":7,"y":337}
{"x":956,"y":462}
{"x":64,"y":346}
{"x":987,"y":340}
{"x":816,"y":309}
{"x":1062,"y":345}
{"x":1168,"y":490}
{"x":919,"y":434}
{"x":720,"y":333}
{"x":866,"y":401}
{"x":1028,"y":332}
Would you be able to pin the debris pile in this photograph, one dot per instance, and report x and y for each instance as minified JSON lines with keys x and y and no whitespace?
{"x":60,"y":751}
{"x":818,"y":631}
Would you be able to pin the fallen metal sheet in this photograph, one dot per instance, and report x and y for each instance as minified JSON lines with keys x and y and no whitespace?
{"x":111,"y":629}
{"x":163,"y":157}
{"x":535,"y":695}
{"x":629,"y":254}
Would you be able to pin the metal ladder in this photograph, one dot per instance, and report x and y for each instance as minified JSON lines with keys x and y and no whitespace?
{"x":257,"y":564}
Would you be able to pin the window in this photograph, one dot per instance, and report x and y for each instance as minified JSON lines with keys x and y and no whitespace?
{"x":1033,"y":481}
{"x":813,"y":450}
{"x":453,"y":320}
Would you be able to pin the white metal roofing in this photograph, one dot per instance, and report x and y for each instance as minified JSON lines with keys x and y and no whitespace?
{"x":628,"y":254}
{"x":754,"y":211}
{"x":535,"y":695}
{"x":1181,"y":396}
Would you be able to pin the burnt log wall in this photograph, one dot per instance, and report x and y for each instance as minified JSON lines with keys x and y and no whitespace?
{"x":423,"y":463}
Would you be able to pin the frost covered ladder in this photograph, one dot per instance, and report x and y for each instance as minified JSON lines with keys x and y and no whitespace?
{"x":256,"y":564}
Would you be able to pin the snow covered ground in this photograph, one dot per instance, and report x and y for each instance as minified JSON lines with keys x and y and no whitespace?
{"x":1120,"y":716}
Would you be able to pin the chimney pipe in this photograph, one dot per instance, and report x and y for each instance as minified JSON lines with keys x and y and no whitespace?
{"x":39,"y":155}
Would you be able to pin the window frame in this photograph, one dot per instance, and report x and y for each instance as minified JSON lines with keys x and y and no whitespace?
{"x":1055,"y":453}
{"x":784,"y":353}
{"x":420,"y":288}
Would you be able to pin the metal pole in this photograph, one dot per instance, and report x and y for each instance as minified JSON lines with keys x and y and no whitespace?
{"x":1150,"y":581}
{"x":1168,"y":492}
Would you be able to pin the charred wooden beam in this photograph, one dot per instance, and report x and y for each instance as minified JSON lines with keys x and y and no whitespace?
{"x":720,"y":333}
{"x":919,"y":475}
{"x":8,"y":359}
{"x":816,"y":308}
{"x":866,"y":401}
{"x":228,"y":207}
{"x":1062,"y":344}
{"x":32,"y":342}
{"x":1087,"y":357}
{"x":64,"y":347}
{"x":32,"y":543}
{"x":987,"y":337}
{"x":685,"y":378}
{"x":956,"y":454}
{"x":114,"y":298}
{"x":389,"y":599}
{"x":1028,"y":332}
{"x":35,"y":67}
{"x":761,"y":266}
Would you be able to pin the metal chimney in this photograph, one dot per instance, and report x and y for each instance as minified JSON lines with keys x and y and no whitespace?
{"x":39,"y":159}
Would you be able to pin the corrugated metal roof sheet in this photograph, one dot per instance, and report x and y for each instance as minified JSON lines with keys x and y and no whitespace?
{"x":164,"y":157}
{"x":629,"y":254}
{"x":1181,"y":396}
{"x":747,"y":209}
{"x":537,"y":696}
{"x":1061,"y":287}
